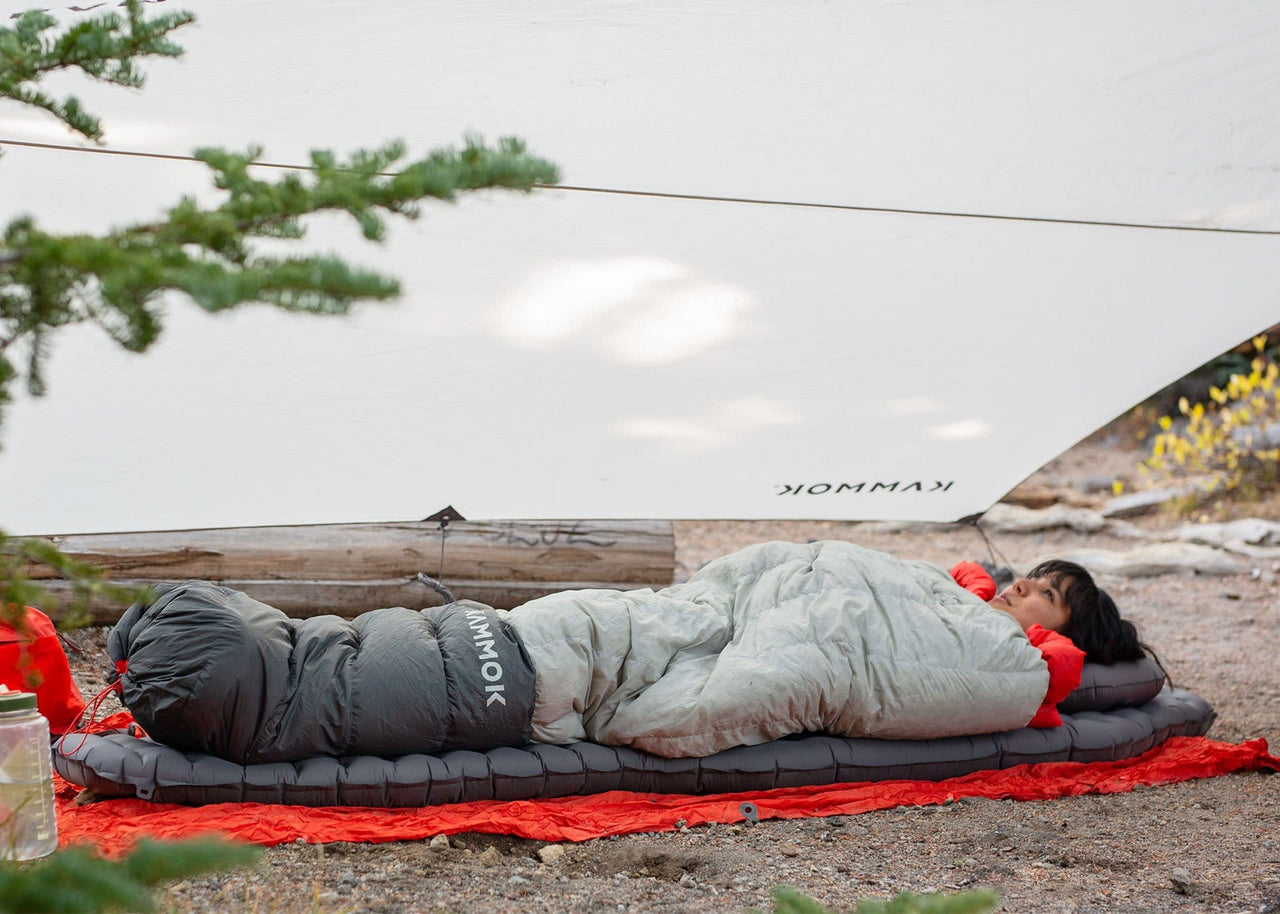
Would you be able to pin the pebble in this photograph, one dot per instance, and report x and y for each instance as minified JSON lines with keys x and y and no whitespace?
{"x":788,"y":850}
{"x":1181,"y":880}
{"x":551,"y":853}
{"x":491,"y":855}
{"x":1087,"y":485}
{"x":440,"y":843}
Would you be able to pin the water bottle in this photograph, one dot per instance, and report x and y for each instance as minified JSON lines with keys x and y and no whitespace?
{"x":28,"y":826}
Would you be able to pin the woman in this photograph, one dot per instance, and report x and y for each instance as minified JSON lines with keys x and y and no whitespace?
{"x":1062,"y":597}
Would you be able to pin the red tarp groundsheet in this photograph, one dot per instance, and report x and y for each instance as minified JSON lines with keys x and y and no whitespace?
{"x":114,"y":825}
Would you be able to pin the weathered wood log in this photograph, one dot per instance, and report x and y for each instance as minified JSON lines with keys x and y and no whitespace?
{"x":347,"y":569}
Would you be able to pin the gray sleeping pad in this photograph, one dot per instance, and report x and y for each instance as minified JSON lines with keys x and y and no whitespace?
{"x":119,"y":765}
{"x":212,"y":670}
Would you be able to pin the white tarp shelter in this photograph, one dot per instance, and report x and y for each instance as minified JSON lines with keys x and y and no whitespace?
{"x":834,"y":260}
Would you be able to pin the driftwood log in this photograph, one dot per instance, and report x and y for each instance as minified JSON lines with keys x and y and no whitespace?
{"x":347,"y":569}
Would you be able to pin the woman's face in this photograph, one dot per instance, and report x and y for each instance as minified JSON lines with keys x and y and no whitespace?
{"x":1033,"y":601}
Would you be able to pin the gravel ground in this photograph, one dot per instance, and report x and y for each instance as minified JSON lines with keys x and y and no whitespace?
{"x":1211,"y":845}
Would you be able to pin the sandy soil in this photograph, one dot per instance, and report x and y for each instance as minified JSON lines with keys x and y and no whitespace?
{"x":1211,"y":845}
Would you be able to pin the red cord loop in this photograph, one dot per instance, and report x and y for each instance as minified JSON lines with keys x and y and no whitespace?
{"x":81,"y":725}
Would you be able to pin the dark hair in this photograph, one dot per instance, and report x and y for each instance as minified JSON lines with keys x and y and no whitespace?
{"x":1094,"y":624}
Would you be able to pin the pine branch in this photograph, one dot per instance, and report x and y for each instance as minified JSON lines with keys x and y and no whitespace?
{"x":24,"y":561}
{"x":104,"y":48}
{"x":787,"y":900}
{"x":76,"y":879}
{"x":115,"y":280}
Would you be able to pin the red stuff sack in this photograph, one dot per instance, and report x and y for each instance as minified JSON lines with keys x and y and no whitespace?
{"x":32,"y":660}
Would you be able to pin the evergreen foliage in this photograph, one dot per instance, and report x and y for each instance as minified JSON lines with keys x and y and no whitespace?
{"x":77,"y":880}
{"x":103,"y":47}
{"x":210,"y":255}
{"x":979,"y":901}
{"x":20,"y":557}
{"x":117,"y":279}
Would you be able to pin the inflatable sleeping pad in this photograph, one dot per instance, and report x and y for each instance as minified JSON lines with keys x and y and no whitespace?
{"x":1117,"y":712}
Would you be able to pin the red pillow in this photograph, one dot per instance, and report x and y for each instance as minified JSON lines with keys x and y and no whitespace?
{"x":33,"y":661}
{"x":1066,"y":662}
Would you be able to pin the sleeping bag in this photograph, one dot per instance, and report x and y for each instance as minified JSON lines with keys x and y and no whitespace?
{"x":207,"y":669}
{"x":776,"y":639}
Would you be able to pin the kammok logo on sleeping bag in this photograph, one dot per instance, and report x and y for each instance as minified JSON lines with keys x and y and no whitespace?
{"x":490,"y":668}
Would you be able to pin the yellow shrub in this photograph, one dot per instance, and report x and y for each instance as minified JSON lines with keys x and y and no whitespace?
{"x":1225,"y":441}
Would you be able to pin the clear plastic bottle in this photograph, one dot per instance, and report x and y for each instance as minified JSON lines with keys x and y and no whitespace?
{"x":28,"y":823}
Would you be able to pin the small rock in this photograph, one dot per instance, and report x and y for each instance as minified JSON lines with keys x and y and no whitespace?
{"x":1251,"y":530}
{"x":514,"y":880}
{"x":1156,"y":559}
{"x":687,"y":880}
{"x":1087,"y":485}
{"x":491,"y":855}
{"x":552,"y":853}
{"x":788,"y":850}
{"x":1181,"y":880}
{"x":327,"y":896}
{"x":1031,"y":496}
{"x":1143,"y":501}
{"x":440,"y":843}
{"x":1008,"y":518}
{"x":348,"y":878}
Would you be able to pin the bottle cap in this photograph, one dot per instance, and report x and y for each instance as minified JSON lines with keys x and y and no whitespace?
{"x":17,"y":701}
